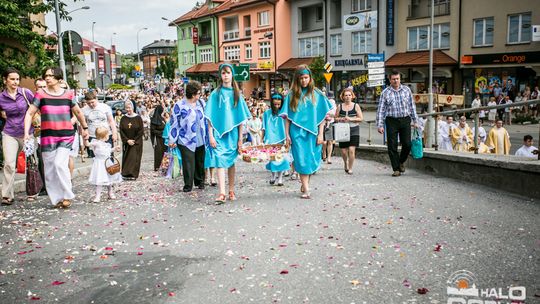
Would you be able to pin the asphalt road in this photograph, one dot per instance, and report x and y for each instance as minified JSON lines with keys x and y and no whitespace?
{"x":366,"y":238}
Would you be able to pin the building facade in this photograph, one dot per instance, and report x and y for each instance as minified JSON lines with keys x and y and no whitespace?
{"x":412,"y":45}
{"x":152,"y":53}
{"x":497,"y":47}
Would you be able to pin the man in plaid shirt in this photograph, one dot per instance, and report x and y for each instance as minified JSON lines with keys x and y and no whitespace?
{"x":397,"y":110}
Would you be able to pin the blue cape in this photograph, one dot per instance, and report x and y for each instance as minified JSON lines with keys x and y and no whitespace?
{"x":274,"y":128}
{"x":308,"y":116}
{"x":222,"y":113}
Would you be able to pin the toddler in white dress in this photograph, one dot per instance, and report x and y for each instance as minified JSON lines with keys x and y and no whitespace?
{"x":99,"y":175}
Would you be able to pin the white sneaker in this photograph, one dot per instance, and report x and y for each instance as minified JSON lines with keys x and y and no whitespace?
{"x":112,"y":196}
{"x":96,"y":200}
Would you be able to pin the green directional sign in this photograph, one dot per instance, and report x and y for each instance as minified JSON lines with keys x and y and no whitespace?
{"x":241,"y":72}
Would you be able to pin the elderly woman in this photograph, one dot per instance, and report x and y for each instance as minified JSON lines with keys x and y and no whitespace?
{"x":131,"y":132}
{"x":57,"y":135}
{"x":14,"y":102}
{"x":188,"y":131}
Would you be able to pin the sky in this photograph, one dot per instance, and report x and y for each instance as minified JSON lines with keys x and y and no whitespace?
{"x":125,"y":18}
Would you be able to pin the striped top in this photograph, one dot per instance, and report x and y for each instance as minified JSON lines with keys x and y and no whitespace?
{"x":56,"y":128}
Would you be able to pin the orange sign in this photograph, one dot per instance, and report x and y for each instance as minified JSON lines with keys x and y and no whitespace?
{"x":328,"y":77}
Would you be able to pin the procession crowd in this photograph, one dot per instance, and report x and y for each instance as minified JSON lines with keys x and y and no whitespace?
{"x":198,"y":132}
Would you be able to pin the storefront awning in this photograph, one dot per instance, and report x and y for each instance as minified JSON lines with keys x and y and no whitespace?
{"x":206,"y":68}
{"x":410,"y":59}
{"x":292,"y":63}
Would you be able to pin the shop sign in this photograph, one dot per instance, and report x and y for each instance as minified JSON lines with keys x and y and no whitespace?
{"x":266,"y":64}
{"x":359,"y":80}
{"x":502,"y":58}
{"x":390,"y":22}
{"x":348,"y":62}
{"x":360,"y":21}
{"x":536,"y":33}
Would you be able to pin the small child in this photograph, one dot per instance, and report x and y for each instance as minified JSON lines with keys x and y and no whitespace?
{"x":99,"y":175}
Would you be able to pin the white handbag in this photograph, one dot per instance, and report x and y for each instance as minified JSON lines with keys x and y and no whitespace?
{"x":342,"y":132}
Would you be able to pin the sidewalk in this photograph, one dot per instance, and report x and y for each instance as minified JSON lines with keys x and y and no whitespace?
{"x":81,"y":169}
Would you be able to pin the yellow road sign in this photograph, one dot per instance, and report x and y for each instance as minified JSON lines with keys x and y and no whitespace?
{"x":328,"y":77}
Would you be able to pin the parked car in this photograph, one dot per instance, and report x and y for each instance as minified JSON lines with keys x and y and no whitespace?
{"x":117,"y":105}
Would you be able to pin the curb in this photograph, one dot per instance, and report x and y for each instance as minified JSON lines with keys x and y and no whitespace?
{"x":20,"y":185}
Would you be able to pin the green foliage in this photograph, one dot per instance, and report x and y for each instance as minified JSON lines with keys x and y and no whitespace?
{"x":317,"y":70}
{"x":23,"y":48}
{"x":128,"y":65}
{"x":166,"y":66}
{"x":116,"y":86}
{"x":91,"y":84}
{"x":520,"y":119}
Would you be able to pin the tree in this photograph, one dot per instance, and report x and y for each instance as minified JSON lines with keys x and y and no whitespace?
{"x":166,"y":66}
{"x":20,"y":46}
{"x":317,"y":71}
{"x":128,"y":65}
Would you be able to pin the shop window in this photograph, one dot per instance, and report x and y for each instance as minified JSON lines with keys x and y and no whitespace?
{"x":519,"y":28}
{"x":483,"y":32}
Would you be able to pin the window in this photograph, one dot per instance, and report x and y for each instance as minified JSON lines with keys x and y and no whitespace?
{"x":418,"y":38}
{"x":311,"y":47}
{"x":189,"y":31}
{"x":264,"y":49}
{"x":519,"y":28}
{"x":263,"y":18}
{"x":206,"y":55}
{"x":335,"y":14}
{"x":231,"y":28}
{"x":192,"y":55}
{"x":361,"y":42}
{"x":483,"y":32}
{"x":319,"y":14}
{"x":183,"y":34}
{"x":441,"y":36}
{"x":247,"y":26}
{"x":249,"y":51}
{"x":335,"y":44}
{"x":232,"y":53}
{"x":361,"y":5}
{"x":185,"y":57}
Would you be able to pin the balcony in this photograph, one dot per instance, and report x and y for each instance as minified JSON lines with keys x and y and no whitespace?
{"x":231,"y":35}
{"x":422,"y":9}
{"x":205,"y":40}
{"x":247,"y":32}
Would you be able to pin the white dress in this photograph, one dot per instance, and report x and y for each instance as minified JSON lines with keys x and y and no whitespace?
{"x":98,"y":175}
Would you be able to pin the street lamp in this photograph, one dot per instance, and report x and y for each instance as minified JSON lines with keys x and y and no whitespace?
{"x":112,"y":38}
{"x":80,"y":8}
{"x":61,"y":60}
{"x":93,"y":40}
{"x":139,"y":53}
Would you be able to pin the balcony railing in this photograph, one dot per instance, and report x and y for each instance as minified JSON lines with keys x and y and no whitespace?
{"x":204,"y":40}
{"x":231,"y":35}
{"x":247,"y":32}
{"x":424,"y":11}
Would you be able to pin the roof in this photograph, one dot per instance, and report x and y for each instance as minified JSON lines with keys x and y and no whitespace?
{"x":233,"y":4}
{"x":292,"y":63}
{"x":163,"y":43}
{"x":210,"y":67}
{"x":197,"y":13}
{"x":419,"y":59}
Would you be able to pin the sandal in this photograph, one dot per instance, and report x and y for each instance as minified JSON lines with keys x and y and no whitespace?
{"x":66,"y":203}
{"x":59,"y":205}
{"x":232,"y":196}
{"x":294,"y":176}
{"x":220,"y":199}
{"x":305,"y":196}
{"x":31,"y":198}
{"x":329,"y":161}
{"x":7,"y":201}
{"x":350,"y":172}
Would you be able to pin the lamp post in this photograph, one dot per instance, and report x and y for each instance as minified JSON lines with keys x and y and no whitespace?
{"x":61,"y":60}
{"x":112,"y":38}
{"x":93,"y":40}
{"x":138,"y":52}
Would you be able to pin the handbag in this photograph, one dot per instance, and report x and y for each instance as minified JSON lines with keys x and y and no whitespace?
{"x":34,"y":184}
{"x":21,"y":163}
{"x":114,"y":167}
{"x":165,"y":161}
{"x":342,"y":132}
{"x":416,"y":145}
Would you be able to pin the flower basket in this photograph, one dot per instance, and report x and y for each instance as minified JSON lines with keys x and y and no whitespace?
{"x":263,"y":153}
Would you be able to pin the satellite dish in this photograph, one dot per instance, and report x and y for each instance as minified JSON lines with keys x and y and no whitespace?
{"x":73,"y":42}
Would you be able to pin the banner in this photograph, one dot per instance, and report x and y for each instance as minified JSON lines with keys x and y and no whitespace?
{"x":360,"y":21}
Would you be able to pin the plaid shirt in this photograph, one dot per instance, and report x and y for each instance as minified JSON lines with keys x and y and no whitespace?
{"x":396,"y":103}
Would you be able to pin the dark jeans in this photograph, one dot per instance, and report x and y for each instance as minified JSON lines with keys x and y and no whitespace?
{"x":401,"y":126}
{"x":192,"y":166}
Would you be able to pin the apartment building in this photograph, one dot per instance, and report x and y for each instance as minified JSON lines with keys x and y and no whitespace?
{"x":497,"y":47}
{"x":152,"y":53}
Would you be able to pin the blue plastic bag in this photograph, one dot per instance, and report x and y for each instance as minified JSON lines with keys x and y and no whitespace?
{"x":416,"y":145}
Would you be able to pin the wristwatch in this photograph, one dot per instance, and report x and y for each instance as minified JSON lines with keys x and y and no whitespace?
{"x":85,"y":128}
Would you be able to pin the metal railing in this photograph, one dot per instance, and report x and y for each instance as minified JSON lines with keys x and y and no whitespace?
{"x":462,"y":111}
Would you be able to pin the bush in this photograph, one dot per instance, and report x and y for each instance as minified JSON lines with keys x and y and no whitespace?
{"x":117,"y":86}
{"x":520,"y":119}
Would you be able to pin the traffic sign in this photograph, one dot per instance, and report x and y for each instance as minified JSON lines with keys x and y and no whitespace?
{"x":328,"y":67}
{"x":375,"y":83}
{"x":376,"y":76}
{"x":137,"y":74}
{"x":185,"y":79}
{"x":241,"y":72}
{"x":376,"y":71}
{"x":376,"y":64}
{"x":137,"y":67}
{"x":328,"y":77}
{"x":375,"y":57}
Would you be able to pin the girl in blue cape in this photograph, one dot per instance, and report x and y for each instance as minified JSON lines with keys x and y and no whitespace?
{"x":226,"y":112}
{"x":305,"y":109}
{"x":273,"y":132}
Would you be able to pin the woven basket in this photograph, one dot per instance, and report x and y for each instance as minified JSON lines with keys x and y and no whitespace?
{"x":114,"y":167}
